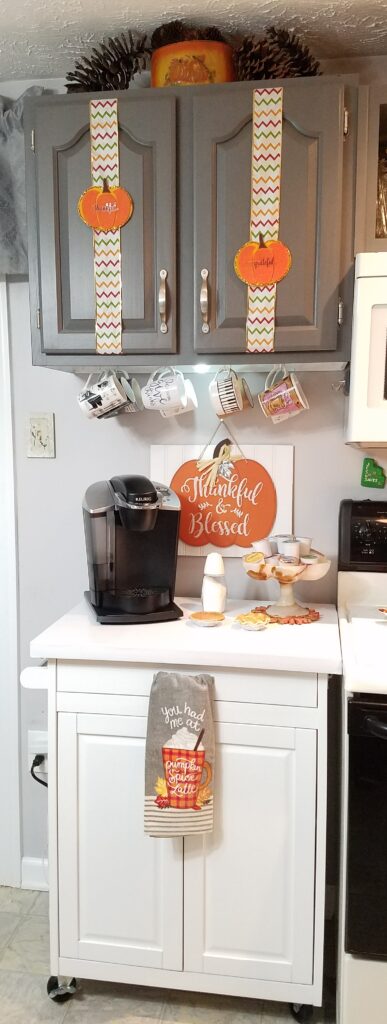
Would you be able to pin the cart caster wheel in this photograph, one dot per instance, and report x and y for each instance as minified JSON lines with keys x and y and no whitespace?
{"x":60,"y":993}
{"x":301,"y":1012}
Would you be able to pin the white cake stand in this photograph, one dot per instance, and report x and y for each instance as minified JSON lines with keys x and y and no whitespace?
{"x":287,"y":576}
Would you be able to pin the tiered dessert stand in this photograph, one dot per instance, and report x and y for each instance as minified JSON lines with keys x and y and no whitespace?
{"x":287,"y":575}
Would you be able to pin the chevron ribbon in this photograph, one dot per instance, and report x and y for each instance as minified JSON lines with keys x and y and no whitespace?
{"x":107,"y":244}
{"x":265,"y":206}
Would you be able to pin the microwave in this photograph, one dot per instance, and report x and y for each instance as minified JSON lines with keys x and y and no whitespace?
{"x":366,"y":425}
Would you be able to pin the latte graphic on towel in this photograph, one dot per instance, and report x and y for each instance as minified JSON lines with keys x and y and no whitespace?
{"x":183,"y":767}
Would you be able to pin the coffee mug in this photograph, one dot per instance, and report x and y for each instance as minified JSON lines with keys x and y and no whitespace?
{"x":134,"y":402}
{"x":283,"y":396}
{"x":225,"y":392}
{"x":103,"y":396}
{"x":192,"y":403}
{"x":247,"y":398}
{"x":165,"y":390}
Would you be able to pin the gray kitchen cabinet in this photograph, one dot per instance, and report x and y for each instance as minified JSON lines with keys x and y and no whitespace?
{"x":310,"y":215}
{"x":371,"y":178}
{"x":206,"y":134}
{"x":61,"y":245}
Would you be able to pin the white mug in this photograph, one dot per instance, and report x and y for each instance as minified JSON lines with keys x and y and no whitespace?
{"x":134,"y":402}
{"x":226,"y":392}
{"x":192,"y":403}
{"x":247,"y":398}
{"x":283,"y":395}
{"x":165,"y":389}
{"x":103,"y":396}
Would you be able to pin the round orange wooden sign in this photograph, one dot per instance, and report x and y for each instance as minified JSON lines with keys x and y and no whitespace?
{"x":238,"y":508}
{"x":261,"y":263}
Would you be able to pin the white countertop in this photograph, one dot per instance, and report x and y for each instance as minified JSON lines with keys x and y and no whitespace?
{"x":363,"y":630}
{"x":77,"y":636}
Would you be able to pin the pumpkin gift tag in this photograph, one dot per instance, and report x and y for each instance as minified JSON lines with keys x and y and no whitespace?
{"x":261,"y":263}
{"x":105,"y":209}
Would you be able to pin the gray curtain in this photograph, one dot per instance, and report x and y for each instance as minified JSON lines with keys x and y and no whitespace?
{"x":13,"y":226}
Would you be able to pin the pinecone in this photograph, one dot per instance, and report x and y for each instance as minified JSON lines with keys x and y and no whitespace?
{"x":299,"y":58}
{"x":253,"y":59}
{"x":171,"y":32}
{"x":110,"y":67}
{"x":178,"y":32}
{"x":278,"y":54}
{"x":212,"y":34}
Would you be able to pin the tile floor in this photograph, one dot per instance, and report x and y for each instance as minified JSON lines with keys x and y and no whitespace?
{"x":24,"y":970}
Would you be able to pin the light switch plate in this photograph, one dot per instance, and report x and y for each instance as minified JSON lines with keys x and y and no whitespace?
{"x":40,"y":435}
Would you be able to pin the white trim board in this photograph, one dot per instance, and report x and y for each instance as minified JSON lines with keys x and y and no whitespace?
{"x":10,"y":852}
{"x":34,"y":873}
{"x":277,"y":459}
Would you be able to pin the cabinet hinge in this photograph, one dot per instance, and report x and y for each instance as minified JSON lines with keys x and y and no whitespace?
{"x":346,"y":122}
{"x":38,"y":319}
{"x":340,"y":312}
{"x":33,"y":139}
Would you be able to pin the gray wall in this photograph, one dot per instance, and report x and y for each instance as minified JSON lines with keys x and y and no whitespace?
{"x":52,"y":568}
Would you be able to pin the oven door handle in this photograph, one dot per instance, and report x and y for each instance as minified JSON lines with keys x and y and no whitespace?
{"x":375,"y":727}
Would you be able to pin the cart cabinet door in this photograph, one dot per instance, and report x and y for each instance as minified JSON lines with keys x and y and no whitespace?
{"x":120,"y":892}
{"x":61,"y":245}
{"x":249,"y":886}
{"x":310,"y":214}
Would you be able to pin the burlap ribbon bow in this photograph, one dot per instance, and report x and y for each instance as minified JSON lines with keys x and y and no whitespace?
{"x":221,"y":465}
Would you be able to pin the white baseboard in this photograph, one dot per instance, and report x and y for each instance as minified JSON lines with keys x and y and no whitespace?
{"x":34,"y":874}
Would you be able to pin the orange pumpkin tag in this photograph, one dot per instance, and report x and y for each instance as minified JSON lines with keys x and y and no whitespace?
{"x":261,"y":263}
{"x":236,"y":506}
{"x":105,"y":209}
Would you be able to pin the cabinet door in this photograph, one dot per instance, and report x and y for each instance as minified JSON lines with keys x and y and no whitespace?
{"x":310,"y":214}
{"x":120,"y":892}
{"x":371,"y":178}
{"x":249,"y":886}
{"x":61,"y":245}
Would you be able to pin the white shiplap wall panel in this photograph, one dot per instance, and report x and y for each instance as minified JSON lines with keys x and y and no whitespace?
{"x":277,"y":459}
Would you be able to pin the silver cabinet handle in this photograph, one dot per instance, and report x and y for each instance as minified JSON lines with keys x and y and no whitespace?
{"x":163,"y":301}
{"x":204,"y":300}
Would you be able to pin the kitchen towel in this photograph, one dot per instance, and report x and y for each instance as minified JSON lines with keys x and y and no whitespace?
{"x":179,"y":755}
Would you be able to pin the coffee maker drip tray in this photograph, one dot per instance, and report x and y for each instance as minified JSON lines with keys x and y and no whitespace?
{"x":141,"y":604}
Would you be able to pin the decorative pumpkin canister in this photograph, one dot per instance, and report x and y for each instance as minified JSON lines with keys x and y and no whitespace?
{"x":194,"y":62}
{"x":263,"y":263}
{"x":104,"y":208}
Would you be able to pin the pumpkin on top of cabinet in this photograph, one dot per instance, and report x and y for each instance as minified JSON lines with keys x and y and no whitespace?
{"x":104,"y":208}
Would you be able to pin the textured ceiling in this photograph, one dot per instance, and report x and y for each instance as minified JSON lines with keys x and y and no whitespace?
{"x":41,"y":38}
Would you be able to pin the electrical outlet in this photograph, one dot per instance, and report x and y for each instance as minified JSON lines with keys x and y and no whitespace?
{"x":38,"y":744}
{"x":40,"y":435}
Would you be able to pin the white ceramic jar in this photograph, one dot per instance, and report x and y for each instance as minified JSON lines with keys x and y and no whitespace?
{"x":214,"y":590}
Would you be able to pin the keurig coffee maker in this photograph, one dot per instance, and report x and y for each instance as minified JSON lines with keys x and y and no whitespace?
{"x":131,"y":529}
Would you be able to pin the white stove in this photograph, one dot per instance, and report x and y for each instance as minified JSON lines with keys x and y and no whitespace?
{"x":363,"y":630}
{"x":362,"y":591}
